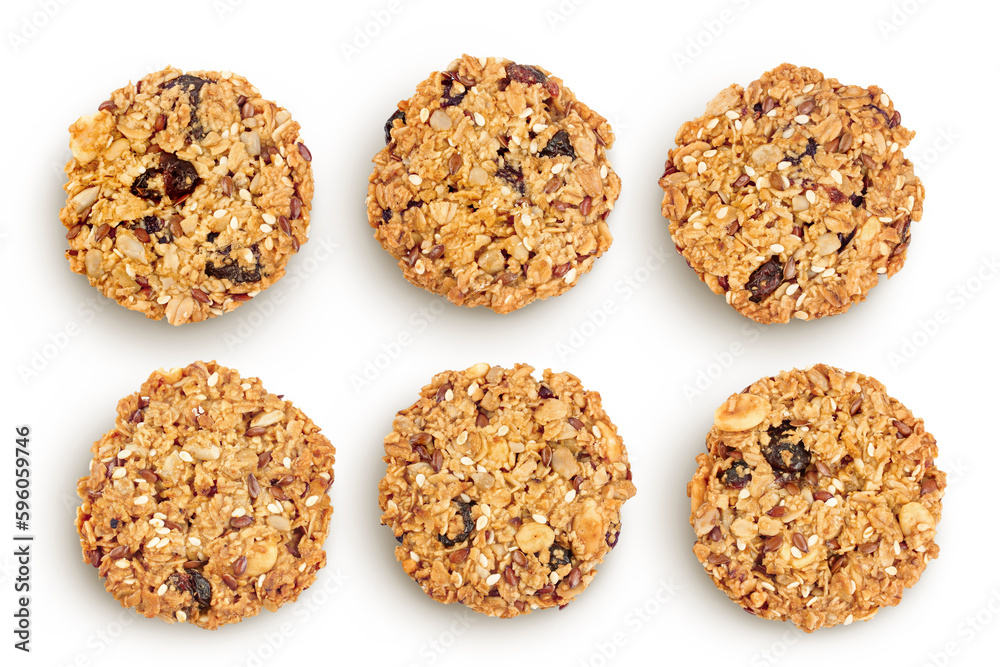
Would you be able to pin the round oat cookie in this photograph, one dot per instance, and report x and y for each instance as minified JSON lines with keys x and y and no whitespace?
{"x":208,"y":499}
{"x":187,"y":194}
{"x":818,"y":499}
{"x":504,"y":492}
{"x":494,"y":186}
{"x":792,"y":195}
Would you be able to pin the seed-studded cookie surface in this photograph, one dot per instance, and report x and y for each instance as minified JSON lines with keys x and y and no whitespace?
{"x":494,"y":186}
{"x":818,"y":499}
{"x":187,"y":194}
{"x":208,"y":500}
{"x":504,"y":492}
{"x":791,"y":196}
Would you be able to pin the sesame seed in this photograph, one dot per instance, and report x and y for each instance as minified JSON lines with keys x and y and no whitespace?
{"x":269,"y":219}
{"x":802,"y":119}
{"x":688,"y":159}
{"x":570,"y":495}
{"x":871,"y":449}
{"x":738,"y":125}
{"x":493,"y":579}
{"x":884,"y":99}
{"x":416,"y":180}
{"x":483,"y":560}
{"x":465,"y":460}
{"x":162,"y":531}
{"x":813,"y":540}
{"x":732,"y":115}
{"x":473,"y":388}
{"x":596,"y":431}
{"x":744,"y":494}
{"x":801,"y":314}
{"x":274,"y":508}
{"x":721,"y":213}
{"x":287,"y":462}
{"x":808,"y":87}
{"x":777,"y":248}
{"x":421,"y":478}
{"x":181,"y":616}
{"x":266,"y":229}
{"x":118,"y":473}
{"x":740,"y":544}
{"x":194,"y":541}
{"x":141,"y":500}
{"x":784,"y":164}
{"x":424,"y":115}
{"x":125,"y":453}
{"x":312,"y":500}
{"x":539,"y":518}
{"x":481,"y":522}
{"x":480,"y":121}
{"x":234,"y":223}
{"x":556,"y":168}
{"x":711,"y":153}
{"x":238,"y":512}
{"x":712,"y":123}
{"x":604,"y":172}
{"x":213,"y":379}
{"x":702,"y":167}
{"x":554,"y":577}
{"x":849,"y":619}
{"x":162,"y":589}
{"x":414,"y":557}
{"x":796,"y":553}
{"x":221,"y":213}
{"x":767,"y":585}
{"x":537,"y":128}
{"x":811,"y":196}
{"x":570,"y":276}
{"x":486,"y":510}
{"x":184,"y":456}
{"x":891,"y":571}
{"x":837,"y":178}
{"x":122,"y":562}
{"x":465,"y":497}
{"x":749,"y":171}
{"x":832,"y":502}
{"x":503,"y":430}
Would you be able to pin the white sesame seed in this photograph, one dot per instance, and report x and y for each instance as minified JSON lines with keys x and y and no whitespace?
{"x":832,"y":502}
{"x":688,"y":159}
{"x":162,"y":589}
{"x":181,"y":616}
{"x":570,"y":276}
{"x":796,"y":553}
{"x":802,"y":119}
{"x":492,"y":579}
{"x":152,"y":543}
{"x":702,"y":167}
{"x":744,"y":494}
{"x":481,"y":522}
{"x":721,"y":213}
{"x":125,"y":453}
{"x":784,"y":164}
{"x":465,"y":460}
{"x":740,"y":544}
{"x":854,"y":587}
{"x":274,"y":508}
{"x":266,"y":229}
{"x":269,"y":219}
{"x":604,"y":172}
{"x":221,"y":213}
{"x":424,"y":115}
{"x":792,"y":289}
{"x":238,"y":512}
{"x":711,"y":153}
{"x":416,"y":180}
{"x":234,"y":223}
{"x":829,"y":272}
{"x":118,"y":473}
{"x":414,"y":557}
{"x":596,"y":430}
{"x":213,"y":379}
{"x":287,"y":461}
{"x":767,"y":585}
{"x":749,"y":171}
{"x":808,"y":87}
{"x":849,"y":619}
{"x":312,"y":500}
{"x":194,"y":541}
{"x":473,"y":388}
{"x":537,"y":128}
{"x":480,"y":121}
{"x":801,"y":314}
{"x":122,"y":562}
{"x":462,"y":437}
{"x":871,"y":449}
{"x":570,"y":495}
{"x":777,"y":248}
{"x":837,"y":178}
{"x":539,"y":518}
{"x":811,"y":196}
{"x":813,"y":540}
{"x":556,"y":168}
{"x":184,"y":456}
{"x":884,"y":99}
{"x":554,"y":577}
{"x":483,"y":560}
{"x":421,"y":478}
{"x":732,"y":115}
{"x":738,"y":125}
{"x":141,"y":500}
{"x":162,"y":530}
{"x":712,"y":123}
{"x":895,"y":548}
{"x":503,"y":430}
{"x":891,"y":571}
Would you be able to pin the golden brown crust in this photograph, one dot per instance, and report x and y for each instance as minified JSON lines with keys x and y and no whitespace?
{"x":187,"y":194}
{"x":792,"y":196}
{"x":503,"y":491}
{"x":818,"y":499}
{"x":208,"y":500}
{"x":494,"y":185}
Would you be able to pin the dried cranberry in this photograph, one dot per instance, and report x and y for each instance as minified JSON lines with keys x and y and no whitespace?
{"x":525,"y":74}
{"x":559,"y":144}
{"x":845,"y":240}
{"x":151,"y":224}
{"x":450,"y":98}
{"x":231,"y":270}
{"x":736,"y":476}
{"x":545,"y":392}
{"x":465,"y":511}
{"x":398,"y":115}
{"x":857,"y":200}
{"x":765,"y":279}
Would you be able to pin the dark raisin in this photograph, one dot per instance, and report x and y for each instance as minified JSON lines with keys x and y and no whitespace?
{"x":513,"y":176}
{"x":810,"y":148}
{"x":231,"y":270}
{"x":835,"y":195}
{"x":398,"y":115}
{"x":765,"y":279}
{"x":386,"y":215}
{"x":114,"y":523}
{"x":190,"y":84}
{"x":465,"y":511}
{"x":845,"y":240}
{"x":179,"y":176}
{"x":211,"y":236}
{"x":140,"y":186}
{"x":559,"y":144}
{"x":736,"y":476}
{"x":200,"y":589}
{"x":525,"y":74}
{"x":558,"y":556}
{"x":449,"y":98}
{"x":786,"y":456}
{"x":858,"y":201}
{"x":545,"y":392}
{"x":151,"y":224}
{"x":293,"y":544}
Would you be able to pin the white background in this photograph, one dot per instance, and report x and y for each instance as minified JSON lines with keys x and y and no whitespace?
{"x":937,"y":60}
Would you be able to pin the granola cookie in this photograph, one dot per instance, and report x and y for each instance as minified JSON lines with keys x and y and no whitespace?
{"x":494,"y":186}
{"x":207,"y":500}
{"x":818,"y":499}
{"x":504,"y":492}
{"x":187,"y":194}
{"x":792,"y":196}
